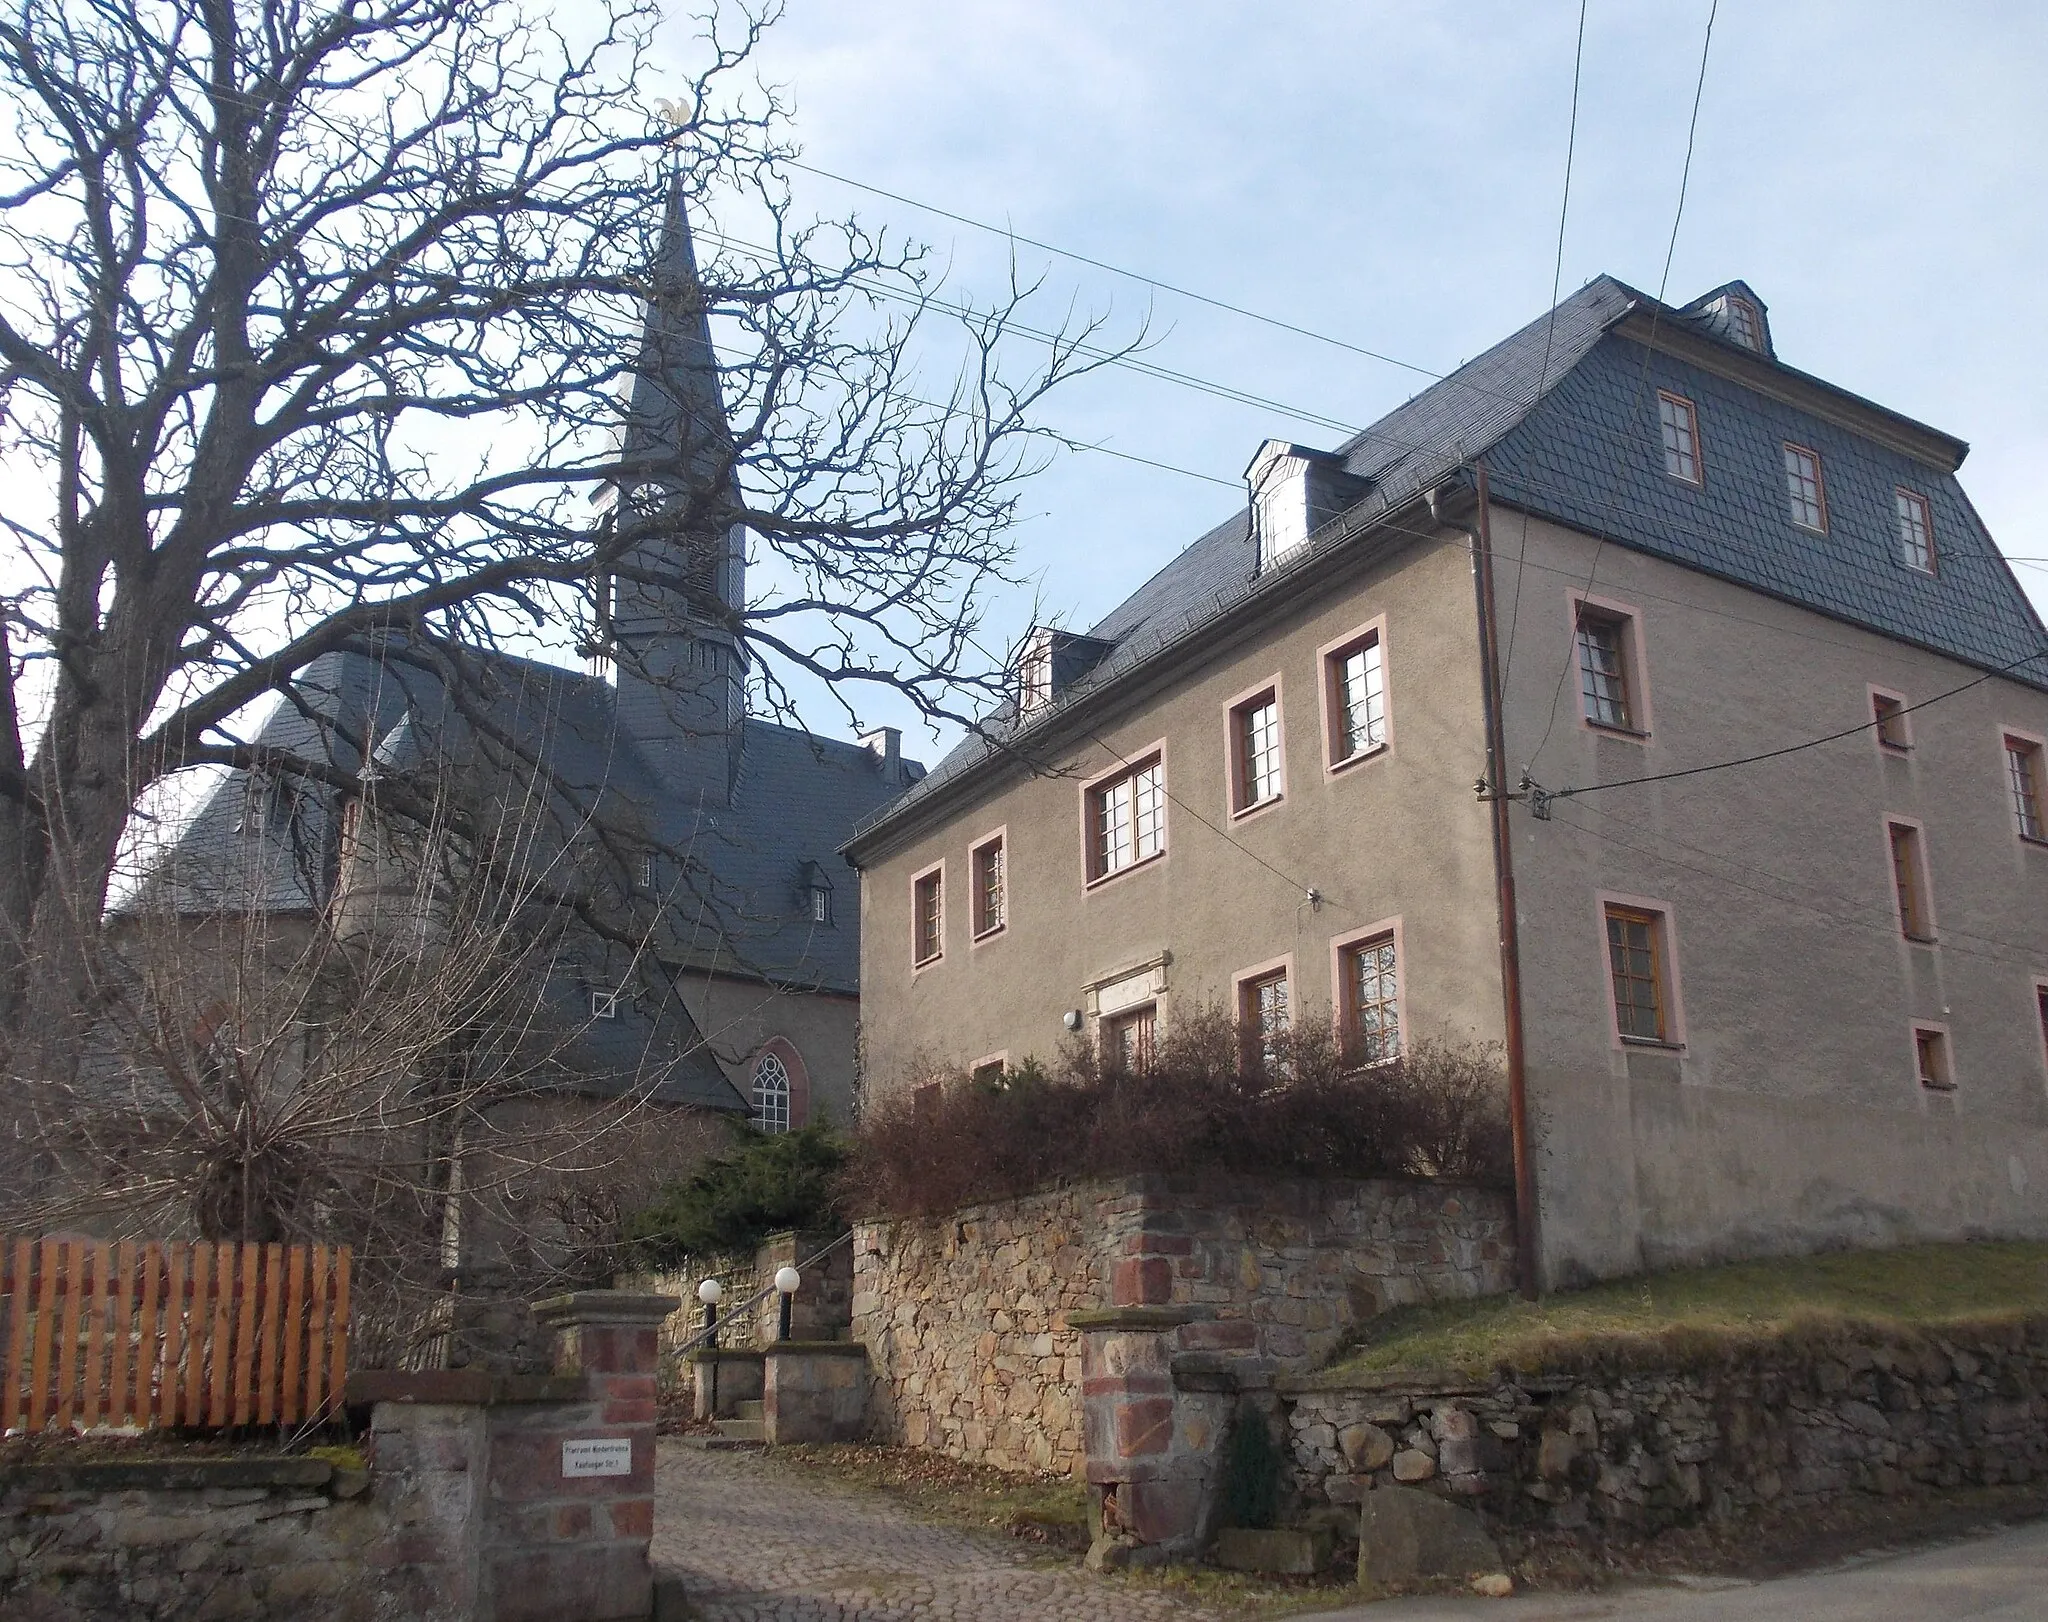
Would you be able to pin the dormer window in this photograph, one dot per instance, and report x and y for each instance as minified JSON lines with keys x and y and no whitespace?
{"x":1745,"y":323}
{"x":1034,"y":672}
{"x":1280,"y":503}
{"x":817,"y":894}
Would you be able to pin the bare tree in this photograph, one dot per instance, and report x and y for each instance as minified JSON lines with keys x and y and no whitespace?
{"x":320,"y":327}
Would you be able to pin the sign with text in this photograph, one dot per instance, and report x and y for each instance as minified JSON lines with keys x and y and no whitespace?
{"x":603,"y":1456}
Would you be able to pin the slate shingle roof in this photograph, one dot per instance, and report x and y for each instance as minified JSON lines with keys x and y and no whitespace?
{"x":1566,"y":417}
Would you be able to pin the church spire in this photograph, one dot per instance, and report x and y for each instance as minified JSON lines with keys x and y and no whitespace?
{"x":682,"y":667}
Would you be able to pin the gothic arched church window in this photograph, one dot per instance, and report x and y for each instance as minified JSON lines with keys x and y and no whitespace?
{"x":771,"y":1094}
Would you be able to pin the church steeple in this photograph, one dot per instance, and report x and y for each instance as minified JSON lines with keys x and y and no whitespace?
{"x":673,"y":605}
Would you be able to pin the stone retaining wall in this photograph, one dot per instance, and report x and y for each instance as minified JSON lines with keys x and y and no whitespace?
{"x":1782,"y":1424}
{"x":966,"y":1318}
{"x":819,"y":1311}
{"x":260,"y":1538}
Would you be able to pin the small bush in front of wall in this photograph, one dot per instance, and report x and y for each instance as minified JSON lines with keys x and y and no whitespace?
{"x":1251,"y":1472}
{"x":766,"y":1182}
{"x":1203,"y":1104}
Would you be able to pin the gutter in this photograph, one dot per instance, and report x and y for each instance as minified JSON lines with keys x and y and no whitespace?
{"x":1329,"y":550}
{"x":1492,"y":789}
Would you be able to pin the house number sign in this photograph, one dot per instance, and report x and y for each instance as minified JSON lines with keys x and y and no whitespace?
{"x":605,"y":1456}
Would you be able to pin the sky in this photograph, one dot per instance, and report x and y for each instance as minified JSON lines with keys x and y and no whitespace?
{"x":1392,"y":175}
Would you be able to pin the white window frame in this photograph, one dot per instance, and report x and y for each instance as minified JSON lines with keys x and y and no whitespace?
{"x":1679,"y":419}
{"x":1144,"y":773}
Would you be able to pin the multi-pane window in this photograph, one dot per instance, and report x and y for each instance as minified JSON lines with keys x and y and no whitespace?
{"x":1603,"y":670}
{"x":1916,"y":531}
{"x":1358,"y":700}
{"x":1636,"y":964}
{"x":2023,"y":769}
{"x":1909,"y":881}
{"x":1930,"y":1051}
{"x":643,"y":872}
{"x":771,"y":1094}
{"x":1372,"y":1000}
{"x":1745,"y":323}
{"x":991,"y":900}
{"x":1262,"y":1017}
{"x":1803,"y":488}
{"x":604,"y":1005}
{"x":1889,"y":711}
{"x":821,"y":904}
{"x":1255,"y":751}
{"x":1127,"y":819}
{"x":928,"y":916}
{"x":1681,"y":437}
{"x":1128,"y":1039}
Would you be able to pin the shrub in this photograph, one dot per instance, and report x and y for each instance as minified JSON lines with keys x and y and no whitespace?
{"x":1203,"y":1105}
{"x":766,"y":1182}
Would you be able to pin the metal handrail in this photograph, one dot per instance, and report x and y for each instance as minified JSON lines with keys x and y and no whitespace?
{"x":756,"y":1299}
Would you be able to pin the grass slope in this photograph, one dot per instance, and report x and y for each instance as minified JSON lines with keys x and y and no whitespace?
{"x":1917,"y":1287}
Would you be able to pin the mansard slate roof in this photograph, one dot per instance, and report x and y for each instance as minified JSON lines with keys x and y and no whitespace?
{"x":1564,"y":413}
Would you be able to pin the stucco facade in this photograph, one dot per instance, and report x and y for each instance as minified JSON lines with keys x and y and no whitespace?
{"x":1805,"y":1065}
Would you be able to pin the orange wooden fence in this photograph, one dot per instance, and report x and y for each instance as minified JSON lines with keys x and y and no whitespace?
{"x":95,"y":1333}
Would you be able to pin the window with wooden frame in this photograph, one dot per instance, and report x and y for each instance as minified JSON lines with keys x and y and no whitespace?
{"x":1256,"y":774}
{"x":1129,"y":1039}
{"x":1355,"y":698}
{"x":1745,"y":324}
{"x":1804,"y":489}
{"x":1639,"y":970}
{"x":1609,"y":683}
{"x":2023,"y":770}
{"x":1370,"y":989}
{"x":989,"y":875}
{"x":928,"y":917}
{"x":771,"y":1094}
{"x":1888,"y":711}
{"x":1126,"y":819}
{"x":1916,"y":530}
{"x":989,"y":1072}
{"x":1681,"y":428}
{"x":1263,"y":1020}
{"x":1909,"y":881}
{"x":1931,"y":1059}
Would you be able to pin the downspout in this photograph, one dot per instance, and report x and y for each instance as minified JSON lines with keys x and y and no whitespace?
{"x":1496,"y":795}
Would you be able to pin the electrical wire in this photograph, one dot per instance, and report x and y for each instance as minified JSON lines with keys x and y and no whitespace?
{"x":1794,"y":748}
{"x":1571,"y":144}
{"x":1649,"y":349}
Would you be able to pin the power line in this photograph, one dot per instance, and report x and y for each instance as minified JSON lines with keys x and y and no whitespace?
{"x":1571,"y":144}
{"x":1649,"y":349}
{"x":1133,"y":275}
{"x":1792,"y":748}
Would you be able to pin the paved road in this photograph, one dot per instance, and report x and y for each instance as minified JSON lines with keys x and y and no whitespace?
{"x":2002,"y":1577}
{"x":755,"y":1542}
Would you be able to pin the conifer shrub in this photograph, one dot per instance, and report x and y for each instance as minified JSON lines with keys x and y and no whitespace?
{"x":763,"y":1183}
{"x":1203,"y":1105}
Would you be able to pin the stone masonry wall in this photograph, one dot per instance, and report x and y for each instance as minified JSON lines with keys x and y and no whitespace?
{"x":819,"y":1310}
{"x":966,"y":1317}
{"x":1784,"y":1424}
{"x":226,"y":1538}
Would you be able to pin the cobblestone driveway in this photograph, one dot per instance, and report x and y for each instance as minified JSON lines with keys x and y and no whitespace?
{"x":759,"y":1542}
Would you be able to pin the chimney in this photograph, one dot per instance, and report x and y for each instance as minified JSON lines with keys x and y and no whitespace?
{"x":886,"y":745}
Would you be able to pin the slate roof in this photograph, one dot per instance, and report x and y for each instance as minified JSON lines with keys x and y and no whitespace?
{"x":741,"y":905}
{"x":1566,"y":417}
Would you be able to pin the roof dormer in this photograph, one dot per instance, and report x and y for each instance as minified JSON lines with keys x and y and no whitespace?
{"x":1295,"y":491}
{"x":1050,"y":661}
{"x":1734,"y":314}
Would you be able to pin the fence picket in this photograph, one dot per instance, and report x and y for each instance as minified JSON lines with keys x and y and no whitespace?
{"x":337,"y":1332}
{"x":196,"y":1320}
{"x":11,"y":1405}
{"x":294,"y":1317}
{"x":149,"y":1376}
{"x":45,"y":1329}
{"x":266,"y":1348}
{"x":121,"y":1322}
{"x":245,"y":1337}
{"x":98,"y":1302}
{"x":65,"y":1394}
{"x":316,"y":1333}
{"x":219,"y":1372}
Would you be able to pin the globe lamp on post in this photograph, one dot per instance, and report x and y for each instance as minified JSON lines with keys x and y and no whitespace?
{"x":709,"y":1293}
{"x":787,"y":1280}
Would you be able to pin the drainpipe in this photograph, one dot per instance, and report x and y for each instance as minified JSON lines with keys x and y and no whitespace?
{"x":1480,"y":533}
